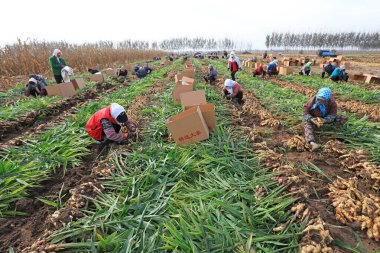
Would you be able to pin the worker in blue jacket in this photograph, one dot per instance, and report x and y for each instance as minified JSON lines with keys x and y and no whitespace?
{"x":339,"y":74}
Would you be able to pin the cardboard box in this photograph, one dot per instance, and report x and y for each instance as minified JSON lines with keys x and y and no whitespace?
{"x":192,"y":98}
{"x":178,"y":78}
{"x":98,"y":78}
{"x":340,"y":58}
{"x":188,"y":81}
{"x":209,"y":115}
{"x":345,"y":63}
{"x":78,"y":83}
{"x":61,"y":90}
{"x":111,"y":72}
{"x":372,"y":79}
{"x":178,"y":90}
{"x":285,"y":71}
{"x":190,"y":72}
{"x":286,"y":63}
{"x":188,"y":127}
{"x":358,"y":77}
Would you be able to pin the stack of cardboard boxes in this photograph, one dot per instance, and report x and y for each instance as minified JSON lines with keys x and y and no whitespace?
{"x":198,"y":117}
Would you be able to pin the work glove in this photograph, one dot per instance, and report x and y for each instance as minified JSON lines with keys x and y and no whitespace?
{"x":307,"y":117}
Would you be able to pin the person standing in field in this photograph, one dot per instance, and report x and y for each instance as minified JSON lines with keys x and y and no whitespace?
{"x":105,"y":125}
{"x":233,"y":64}
{"x":321,"y":109}
{"x":232,"y":90}
{"x":57,"y":63}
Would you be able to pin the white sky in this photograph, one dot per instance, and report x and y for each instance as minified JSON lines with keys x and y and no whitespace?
{"x":240,"y":20}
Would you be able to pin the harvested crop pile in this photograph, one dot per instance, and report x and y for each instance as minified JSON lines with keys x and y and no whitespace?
{"x":298,"y":143}
{"x":316,"y":237}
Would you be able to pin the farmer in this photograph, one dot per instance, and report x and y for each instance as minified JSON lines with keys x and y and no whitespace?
{"x":93,"y":71}
{"x":339,"y":74}
{"x":328,"y":68}
{"x":36,"y":86}
{"x":225,"y":54}
{"x":105,"y":125}
{"x":122,"y":72}
{"x":265,"y":55}
{"x":306,"y":69}
{"x":142,"y":72}
{"x":212,"y":74}
{"x":259,"y":71}
{"x":233,"y":64}
{"x":57,"y":64}
{"x":272,"y":68}
{"x":320,"y":110}
{"x":233,"y":90}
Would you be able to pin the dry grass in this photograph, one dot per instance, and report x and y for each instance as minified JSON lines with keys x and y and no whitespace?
{"x":23,"y":58}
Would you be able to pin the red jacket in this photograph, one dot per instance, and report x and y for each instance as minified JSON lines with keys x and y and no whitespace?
{"x":94,"y":127}
{"x":233,"y":66}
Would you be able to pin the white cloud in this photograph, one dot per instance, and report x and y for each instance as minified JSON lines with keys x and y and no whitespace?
{"x":250,"y":21}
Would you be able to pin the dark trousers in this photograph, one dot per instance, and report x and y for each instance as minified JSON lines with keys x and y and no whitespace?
{"x":58,"y":78}
{"x":255,"y":73}
{"x":233,"y":75}
{"x":238,"y":97}
{"x":212,"y":80}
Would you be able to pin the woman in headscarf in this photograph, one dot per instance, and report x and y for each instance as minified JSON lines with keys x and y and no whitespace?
{"x":211,"y":75}
{"x":57,"y":63}
{"x":232,"y":90}
{"x":233,"y":64}
{"x":105,"y":125}
{"x":321,"y":109}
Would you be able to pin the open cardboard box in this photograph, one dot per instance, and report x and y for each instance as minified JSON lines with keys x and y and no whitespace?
{"x":192,"y":98}
{"x":111,"y":72}
{"x":190,"y":72}
{"x":188,"y":127}
{"x":61,"y":90}
{"x":178,"y":78}
{"x":285,"y":71}
{"x":78,"y":83}
{"x":178,"y":89}
{"x":98,"y":78}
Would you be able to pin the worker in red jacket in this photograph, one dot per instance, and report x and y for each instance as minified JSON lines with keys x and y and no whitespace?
{"x":232,"y":90}
{"x":259,"y":71}
{"x":105,"y":125}
{"x":233,"y":64}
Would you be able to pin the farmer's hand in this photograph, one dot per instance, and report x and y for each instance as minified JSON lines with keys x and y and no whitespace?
{"x":131,"y":126}
{"x":307,"y":118}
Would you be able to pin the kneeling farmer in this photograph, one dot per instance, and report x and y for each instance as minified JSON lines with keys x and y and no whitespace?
{"x":106,"y":123}
{"x":320,"y":110}
{"x":232,"y":89}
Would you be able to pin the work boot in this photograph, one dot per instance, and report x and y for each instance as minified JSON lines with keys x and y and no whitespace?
{"x":314,"y":146}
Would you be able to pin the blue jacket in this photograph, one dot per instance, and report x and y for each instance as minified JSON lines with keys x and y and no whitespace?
{"x":271,"y":66}
{"x":337,"y":72}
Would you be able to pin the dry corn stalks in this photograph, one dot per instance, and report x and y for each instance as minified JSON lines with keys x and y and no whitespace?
{"x":352,"y":205}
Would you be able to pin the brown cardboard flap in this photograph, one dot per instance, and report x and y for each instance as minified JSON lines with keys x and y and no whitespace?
{"x":98,"y":78}
{"x":177,"y":90}
{"x":67,"y":89}
{"x":188,"y":80}
{"x":192,"y":98}
{"x":53,"y":90}
{"x":190,"y":72}
{"x":209,"y":115}
{"x":78,"y":83}
{"x":188,"y":127}
{"x":178,"y":78}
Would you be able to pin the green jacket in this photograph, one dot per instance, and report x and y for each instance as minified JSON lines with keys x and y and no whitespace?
{"x":55,"y":65}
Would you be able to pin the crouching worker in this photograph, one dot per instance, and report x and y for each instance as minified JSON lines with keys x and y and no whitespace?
{"x":232,"y":90}
{"x":212,"y":74}
{"x":320,"y":110}
{"x":339,"y":74}
{"x":105,"y":125}
{"x":142,"y":72}
{"x":328,"y":68}
{"x":306,"y":69}
{"x":259,"y":71}
{"x":272,"y":68}
{"x":36,"y":86}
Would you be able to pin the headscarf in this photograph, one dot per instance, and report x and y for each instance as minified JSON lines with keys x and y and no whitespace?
{"x":325,"y":94}
{"x":116,"y":110}
{"x":55,"y":52}
{"x":232,"y":56}
{"x":342,"y":68}
{"x":33,"y":80}
{"x":228,"y":84}
{"x":210,"y":66}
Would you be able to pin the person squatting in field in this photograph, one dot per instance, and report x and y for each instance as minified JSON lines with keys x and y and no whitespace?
{"x":142,"y":72}
{"x":105,"y":125}
{"x":339,"y":74}
{"x":259,"y":71}
{"x":306,"y":69}
{"x":319,"y":110}
{"x":57,"y":63}
{"x":36,"y":86}
{"x":212,"y":74}
{"x":328,"y":68}
{"x":233,"y":64}
{"x":272,"y":68}
{"x":232,"y":90}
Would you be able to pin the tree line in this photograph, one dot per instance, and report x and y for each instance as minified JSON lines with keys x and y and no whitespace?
{"x":344,"y":40}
